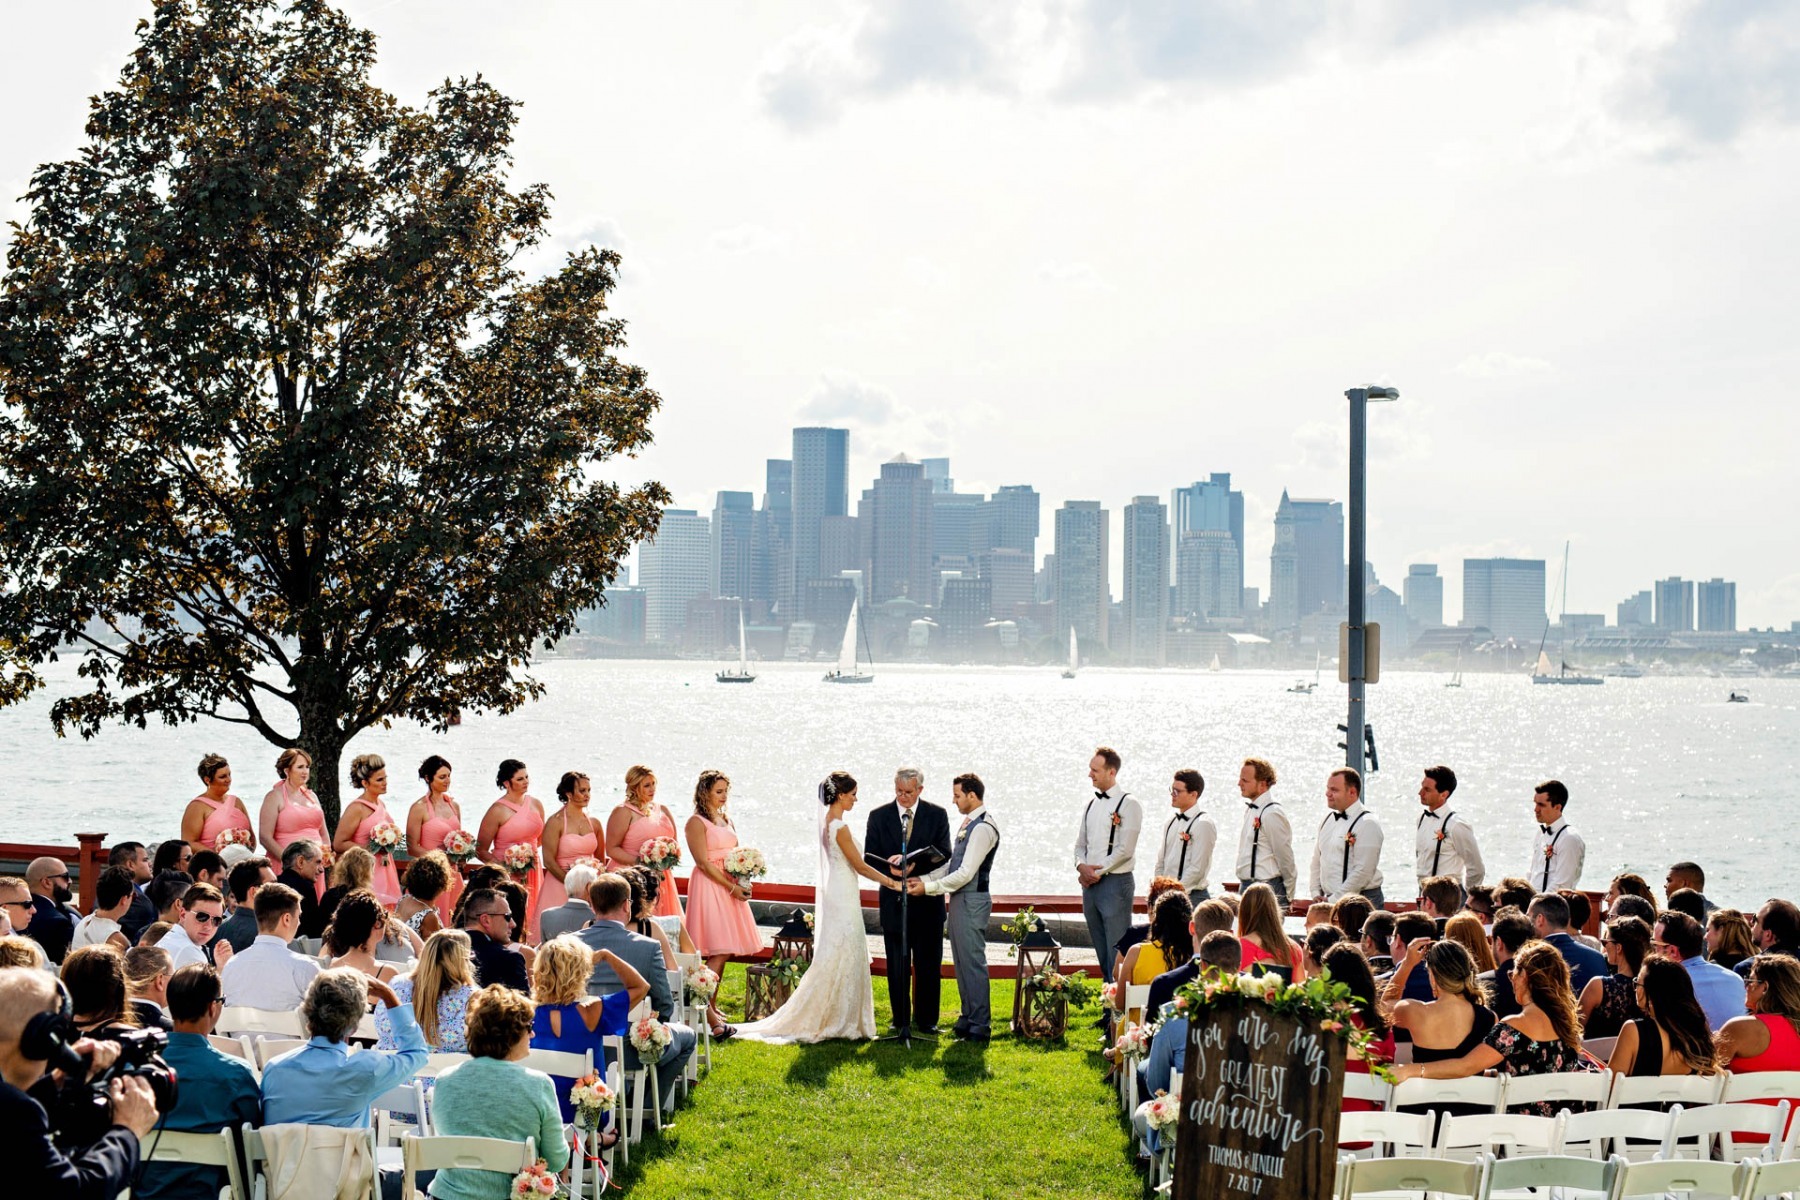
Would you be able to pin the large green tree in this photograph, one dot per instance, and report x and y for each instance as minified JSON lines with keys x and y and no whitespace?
{"x":289,"y":437}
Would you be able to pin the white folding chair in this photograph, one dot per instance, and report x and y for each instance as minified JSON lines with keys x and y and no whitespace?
{"x":1367,"y":1176}
{"x":1394,"y":1135}
{"x":1163,"y":1165}
{"x":1485,"y":1090}
{"x":684,"y":1013}
{"x":256,"y":1159}
{"x":702,"y":1056}
{"x":565,"y":1064}
{"x":199,"y":1150}
{"x":1600,"y":1048}
{"x":1512,"y":1134}
{"x":470,"y":1153}
{"x":1572,"y":1090}
{"x":1685,"y":1090}
{"x":437,"y":1064}
{"x":260,"y":1022}
{"x":272,"y":1047}
{"x":366,"y":1031}
{"x":1720,"y":1121}
{"x":234,"y":1047}
{"x":1661,"y":1176}
{"x":1759,"y":1085}
{"x":1778,"y":1179}
{"x":1610,"y":1131}
{"x":1359,"y":1085}
{"x":1530,"y":1175}
{"x":643,"y":1084}
{"x":613,"y":1049}
{"x":400,"y":1112}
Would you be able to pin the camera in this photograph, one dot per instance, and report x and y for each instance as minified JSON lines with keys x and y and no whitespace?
{"x":84,"y":1109}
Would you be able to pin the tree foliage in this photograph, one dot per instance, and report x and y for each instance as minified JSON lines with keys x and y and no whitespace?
{"x":289,"y":437}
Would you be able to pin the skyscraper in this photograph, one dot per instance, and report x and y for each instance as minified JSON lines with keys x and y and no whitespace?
{"x":937,"y":470}
{"x":1011,"y":521}
{"x":1009,"y":573}
{"x":1717,"y":605}
{"x":1674,"y":604}
{"x":673,"y":568}
{"x":1306,"y":565}
{"x":1424,"y":592}
{"x":1083,"y":590}
{"x":900,"y":538}
{"x":1506,"y":595}
{"x":1212,"y":505}
{"x":1207,"y":574}
{"x":954,"y":518}
{"x":820,"y":489}
{"x":733,"y":544}
{"x":1146,"y":582}
{"x":772,"y":569}
{"x":1637,"y":609}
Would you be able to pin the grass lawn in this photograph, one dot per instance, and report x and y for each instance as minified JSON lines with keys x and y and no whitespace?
{"x":949,"y":1120}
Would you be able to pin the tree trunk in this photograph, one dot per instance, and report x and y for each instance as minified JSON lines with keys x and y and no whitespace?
{"x":321,"y":737}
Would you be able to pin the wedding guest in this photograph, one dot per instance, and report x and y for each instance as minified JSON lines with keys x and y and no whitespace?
{"x":432,"y":818}
{"x":1347,"y":966}
{"x":518,"y":902}
{"x":52,"y":921}
{"x":570,"y":1020}
{"x":266,"y":974}
{"x":1441,"y":898}
{"x":1629,"y":884}
{"x":203,"y":911}
{"x":488,"y":920}
{"x":1544,"y":1038}
{"x":1687,"y":900}
{"x":302,"y":864}
{"x":1481,"y":902}
{"x":570,"y":835}
{"x":1558,"y":850}
{"x":1689,"y":875}
{"x":718,"y":912}
{"x":1169,"y":944}
{"x":1511,"y":931}
{"x":1514,"y":892}
{"x":1347,"y":856}
{"x":573,"y":913}
{"x":1768,"y":1037}
{"x":354,"y":871}
{"x":113,"y":894}
{"x":438,"y":989}
{"x":1188,"y":838}
{"x":636,"y":821}
{"x":486,"y":876}
{"x":362,"y":816}
{"x":208,"y":867}
{"x":290,"y":810}
{"x":1159,"y":887}
{"x":167,"y":891}
{"x":217,"y":1091}
{"x":1378,"y":940}
{"x":1776,"y":930}
{"x":1720,"y":992}
{"x":1670,"y":1035}
{"x":1261,"y":932}
{"x":428,"y":879}
{"x":1105,"y":853}
{"x":1319,"y":913}
{"x":356,"y":927}
{"x":1445,"y":842}
{"x":1219,"y":953}
{"x":515,"y":818}
{"x":215,"y":809}
{"x":99,"y":997}
{"x":643,"y":881}
{"x":134,"y":859}
{"x":1580,"y":909}
{"x":1450,"y":1025}
{"x":171,"y":856}
{"x":611,"y":898}
{"x":322,"y":1083}
{"x":1319,"y":939}
{"x":1212,"y":916}
{"x":1350,"y":914}
{"x":1549,"y":915}
{"x":1728,"y":938}
{"x":1408,"y":927}
{"x":493,"y":1096}
{"x":148,"y":970}
{"x":1466,"y":928}
{"x":1609,"y":1002}
{"x":17,"y":950}
{"x":1266,"y":839}
{"x":1634,"y":906}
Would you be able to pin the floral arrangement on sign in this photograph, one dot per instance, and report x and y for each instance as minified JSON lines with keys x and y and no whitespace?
{"x":386,"y":840}
{"x":660,"y":854}
{"x":1320,"y":998}
{"x":700,"y":980}
{"x":459,"y":846}
{"x":787,"y":971}
{"x":1077,"y":989}
{"x":744,"y":863}
{"x":650,"y":1037}
{"x":235,"y":836}
{"x":537,"y":1183}
{"x":591,"y":1100}
{"x":520,"y":859}
{"x":1023,"y":924}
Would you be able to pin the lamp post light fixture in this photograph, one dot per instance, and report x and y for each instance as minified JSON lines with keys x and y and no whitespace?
{"x":1356,"y":658}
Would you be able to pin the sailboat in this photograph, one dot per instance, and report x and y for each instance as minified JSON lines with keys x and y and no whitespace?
{"x":1214,"y":666}
{"x":846,"y":671}
{"x":742,"y":674}
{"x":1456,"y":679}
{"x":1074,"y":656}
{"x":1303,"y":688}
{"x":1542,"y":672}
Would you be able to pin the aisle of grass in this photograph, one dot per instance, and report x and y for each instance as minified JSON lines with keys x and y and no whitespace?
{"x":949,"y":1120}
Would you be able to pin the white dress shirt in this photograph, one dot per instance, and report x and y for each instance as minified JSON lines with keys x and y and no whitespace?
{"x":1267,"y":853}
{"x":1108,"y":847}
{"x":181,"y":948}
{"x":1188,"y":860}
{"x":1557,"y":852}
{"x":266,"y":974}
{"x":1341,"y":866}
{"x":982,"y":840}
{"x":1456,"y":853}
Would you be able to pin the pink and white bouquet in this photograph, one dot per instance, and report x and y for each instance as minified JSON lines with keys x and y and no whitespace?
{"x":1163,"y":1112}
{"x":520,"y":858}
{"x":537,"y":1183}
{"x":385,"y":840}
{"x":589,"y":861}
{"x":701,"y":981}
{"x":1135,"y":1042}
{"x":660,"y":853}
{"x":591,"y":1100}
{"x":1113,"y":995}
{"x":459,"y":846}
{"x":744,"y":863}
{"x":235,"y":836}
{"x":650,"y":1037}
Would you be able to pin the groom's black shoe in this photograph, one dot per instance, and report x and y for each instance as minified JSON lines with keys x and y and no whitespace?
{"x":969,"y":1035}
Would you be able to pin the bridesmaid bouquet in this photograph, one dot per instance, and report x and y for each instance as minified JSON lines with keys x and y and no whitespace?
{"x":536,"y":1182}
{"x":592,"y":1100}
{"x":520,"y":858}
{"x":744,"y":863}
{"x":459,"y":847}
{"x":650,"y":1037}
{"x":234,"y":836}
{"x":660,"y":853}
{"x":384,"y":840}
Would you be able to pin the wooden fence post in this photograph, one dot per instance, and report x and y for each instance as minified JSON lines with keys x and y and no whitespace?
{"x":90,"y":856}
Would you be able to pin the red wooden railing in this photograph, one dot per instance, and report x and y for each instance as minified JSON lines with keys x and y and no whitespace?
{"x":86,"y":859}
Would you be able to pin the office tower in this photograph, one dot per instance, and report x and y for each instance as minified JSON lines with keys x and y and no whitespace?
{"x":900,"y":535}
{"x":841,"y":548}
{"x":1043,"y":582}
{"x":1424,"y":596}
{"x":1082,"y":586}
{"x":1211,"y":505}
{"x":955,"y":517}
{"x":1306,"y":565}
{"x":619,"y":619}
{"x":963,"y":613}
{"x":1008,"y":573}
{"x":1638,"y":610}
{"x":1012,"y":521}
{"x":1146,"y":582}
{"x":820,"y":489}
{"x":674,"y":567}
{"x":1208,"y":572}
{"x":1506,"y":595}
{"x":1674,"y":604}
{"x":1717,"y":606}
{"x":772,"y":567}
{"x":733,"y":540}
{"x":937,"y":470}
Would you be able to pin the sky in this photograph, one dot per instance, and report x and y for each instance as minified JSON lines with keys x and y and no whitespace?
{"x":1107,"y":249}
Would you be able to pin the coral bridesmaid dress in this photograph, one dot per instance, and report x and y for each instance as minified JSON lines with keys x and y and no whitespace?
{"x":525,"y":825}
{"x":719,"y":921}
{"x":570,"y":848}
{"x":658,"y":824}
{"x":442,"y":822}
{"x":301,"y":817}
{"x":385,"y":882}
{"x":225,"y":814}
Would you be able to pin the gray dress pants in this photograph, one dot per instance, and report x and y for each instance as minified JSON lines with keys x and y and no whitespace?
{"x":1107,"y":907}
{"x":968,"y":914}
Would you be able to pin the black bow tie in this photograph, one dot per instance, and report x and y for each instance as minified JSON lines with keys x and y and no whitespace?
{"x":1101,"y":796}
{"x":1340,"y":816}
{"x":1430,"y":816}
{"x":1545,"y":828}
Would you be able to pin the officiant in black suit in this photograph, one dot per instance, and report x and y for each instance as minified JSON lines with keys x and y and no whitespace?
{"x":918,"y":823}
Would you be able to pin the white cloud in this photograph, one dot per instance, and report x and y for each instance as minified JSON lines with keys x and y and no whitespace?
{"x":1722,"y":70}
{"x":1497,"y":364}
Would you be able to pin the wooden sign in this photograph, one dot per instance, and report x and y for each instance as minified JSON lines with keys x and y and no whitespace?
{"x":1260,"y":1098}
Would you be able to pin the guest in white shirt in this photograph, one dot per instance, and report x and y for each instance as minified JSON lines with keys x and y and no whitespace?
{"x":1347,"y":856}
{"x":268,"y":975}
{"x":1188,"y":838}
{"x":1266,"y":841}
{"x":1558,"y":849}
{"x":113,"y":892}
{"x":203,"y":911}
{"x":1105,"y":855}
{"x":1446,"y":843}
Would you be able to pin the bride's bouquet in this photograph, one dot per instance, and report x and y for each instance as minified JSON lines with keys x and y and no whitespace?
{"x":235,"y":836}
{"x":592,"y":1100}
{"x":519,"y":859}
{"x":701,"y":981}
{"x":744,"y":863}
{"x":660,"y":854}
{"x":385,"y":840}
{"x":650,"y":1037}
{"x":459,"y":846}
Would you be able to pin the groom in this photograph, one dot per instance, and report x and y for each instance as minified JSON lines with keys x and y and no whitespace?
{"x":965,"y":878}
{"x":914,"y":823}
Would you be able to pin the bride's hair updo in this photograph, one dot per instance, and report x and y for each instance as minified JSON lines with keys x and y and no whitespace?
{"x":835,"y":785}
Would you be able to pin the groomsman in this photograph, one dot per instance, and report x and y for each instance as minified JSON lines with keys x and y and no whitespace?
{"x":1189,"y":837}
{"x":1347,"y":856}
{"x":1445,"y":844}
{"x":1266,"y":841}
{"x":1558,"y":849}
{"x":1105,"y":855}
{"x":965,"y":878}
{"x":911,"y":822}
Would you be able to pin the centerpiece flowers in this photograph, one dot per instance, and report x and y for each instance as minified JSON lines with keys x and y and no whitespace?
{"x":744,"y":863}
{"x":537,"y":1183}
{"x":459,"y":846}
{"x":1076,"y":988}
{"x":235,"y":836}
{"x":650,"y":1037}
{"x":1320,"y":999}
{"x":385,"y":840}
{"x":592,"y":1100}
{"x":660,"y":854}
{"x":520,"y":859}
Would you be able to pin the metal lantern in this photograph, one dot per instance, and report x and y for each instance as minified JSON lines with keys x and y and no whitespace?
{"x":1037,"y":951}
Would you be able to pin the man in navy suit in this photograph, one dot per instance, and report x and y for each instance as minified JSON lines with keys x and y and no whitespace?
{"x":914,"y":823}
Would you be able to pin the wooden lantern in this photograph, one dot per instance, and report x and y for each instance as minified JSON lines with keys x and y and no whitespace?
{"x":1037,"y":951}
{"x":1044,"y":1017}
{"x":795,"y":938}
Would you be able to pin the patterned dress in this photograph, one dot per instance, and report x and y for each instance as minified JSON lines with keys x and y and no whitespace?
{"x":1618,"y":1005}
{"x":1521,"y":1055}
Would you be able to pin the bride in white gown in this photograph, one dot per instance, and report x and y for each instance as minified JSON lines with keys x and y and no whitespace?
{"x":835,"y":998}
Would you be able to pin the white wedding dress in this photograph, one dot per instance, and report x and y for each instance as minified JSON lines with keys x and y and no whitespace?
{"x":835,"y":998}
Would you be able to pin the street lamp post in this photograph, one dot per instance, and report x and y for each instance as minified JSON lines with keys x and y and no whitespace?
{"x":1356,"y":657}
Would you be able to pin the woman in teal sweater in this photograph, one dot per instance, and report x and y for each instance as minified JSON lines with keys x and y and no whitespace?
{"x":492,"y":1096}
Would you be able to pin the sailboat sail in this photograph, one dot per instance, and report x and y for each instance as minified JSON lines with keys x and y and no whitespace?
{"x":1074,"y":650}
{"x":743,"y":650}
{"x":847,"y":652}
{"x":1543,"y":665}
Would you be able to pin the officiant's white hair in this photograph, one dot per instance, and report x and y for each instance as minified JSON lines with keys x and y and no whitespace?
{"x":910,"y":775}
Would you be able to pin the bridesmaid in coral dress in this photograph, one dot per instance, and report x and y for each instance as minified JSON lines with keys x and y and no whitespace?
{"x":291,"y":811}
{"x":718,"y":914}
{"x":215,"y":810}
{"x":432,"y":818}
{"x":361,"y":816}
{"x":570,"y":835}
{"x":514,"y":817}
{"x":635,"y":822}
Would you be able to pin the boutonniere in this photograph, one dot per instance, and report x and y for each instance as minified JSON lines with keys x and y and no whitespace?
{"x":1117,"y":819}
{"x":1349,"y":839}
{"x":1256,"y":824}
{"x":1549,"y":852}
{"x":1186,"y":837}
{"x":1439,"y":835}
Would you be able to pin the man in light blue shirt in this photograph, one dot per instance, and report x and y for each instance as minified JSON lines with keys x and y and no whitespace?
{"x":1720,"y":992}
{"x":322,"y":1083}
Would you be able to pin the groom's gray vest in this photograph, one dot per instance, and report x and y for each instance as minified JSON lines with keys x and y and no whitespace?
{"x":980,"y":882}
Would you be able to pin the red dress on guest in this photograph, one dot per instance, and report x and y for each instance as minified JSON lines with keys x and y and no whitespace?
{"x":1783,"y":1054}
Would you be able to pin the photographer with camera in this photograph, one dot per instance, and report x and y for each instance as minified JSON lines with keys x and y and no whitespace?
{"x":36,"y":1036}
